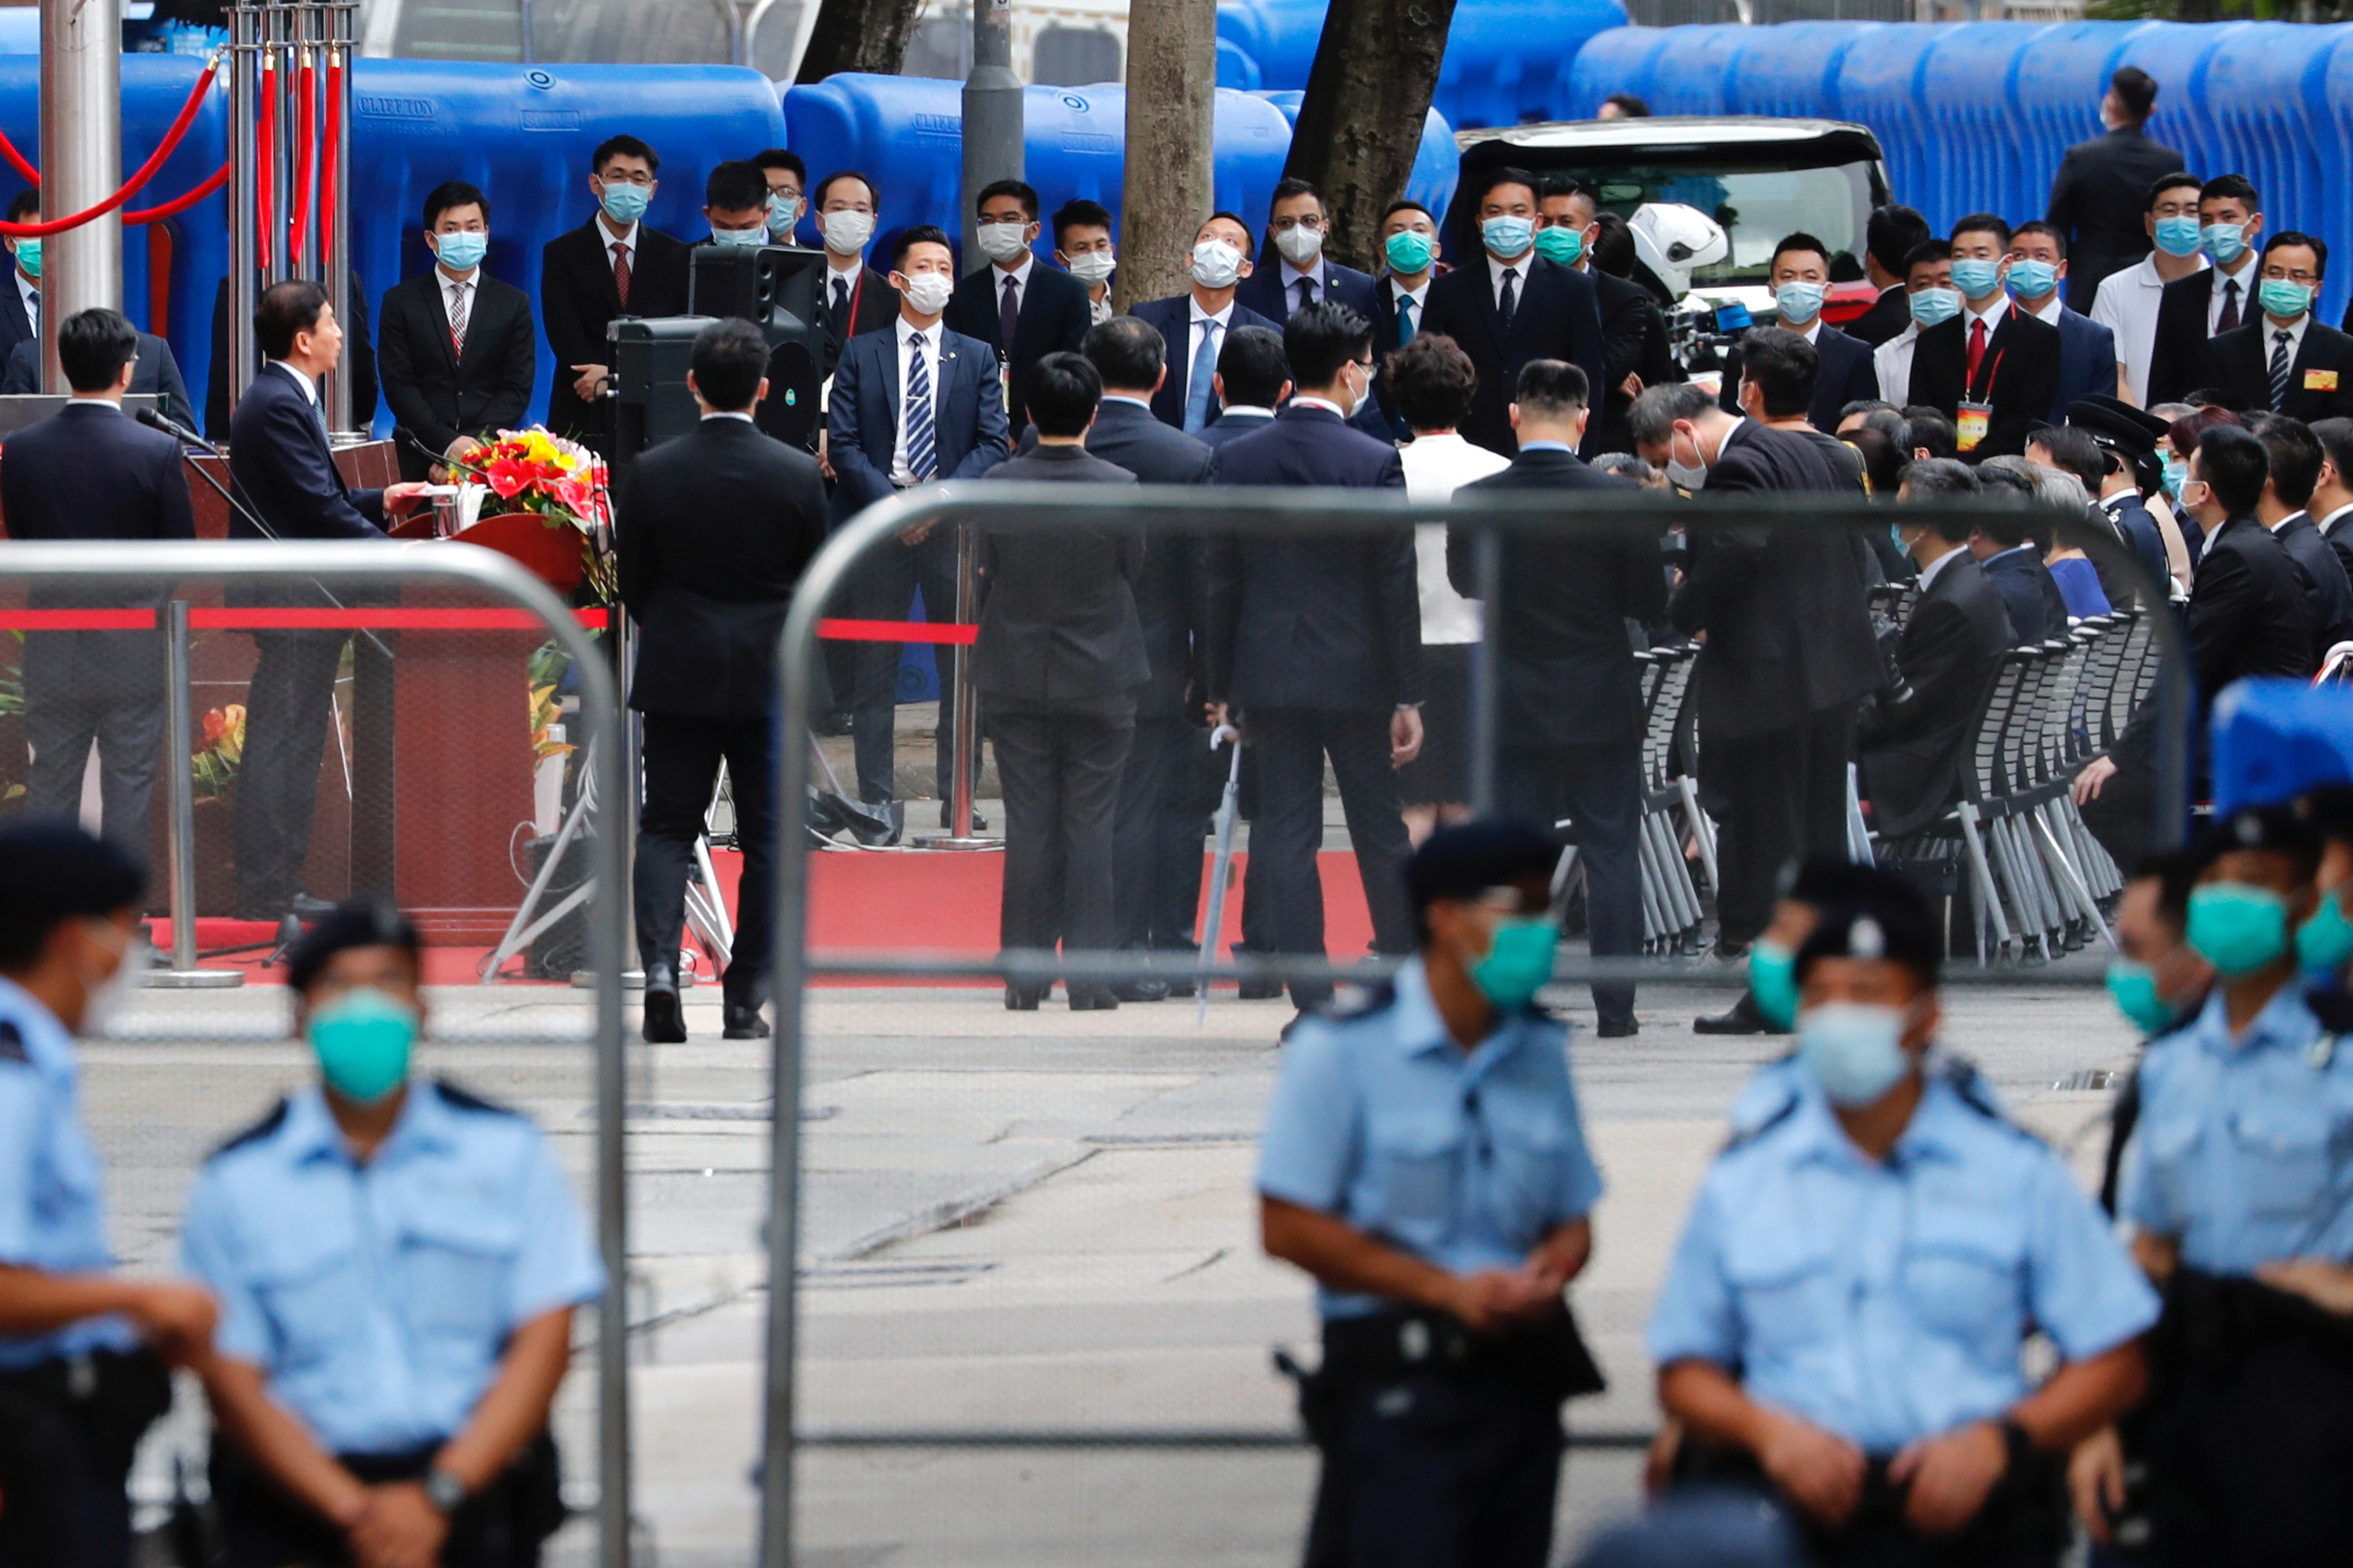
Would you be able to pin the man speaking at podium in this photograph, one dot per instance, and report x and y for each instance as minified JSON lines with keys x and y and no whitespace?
{"x":282,"y":467}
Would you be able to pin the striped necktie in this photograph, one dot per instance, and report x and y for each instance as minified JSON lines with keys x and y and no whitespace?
{"x":923,"y":460}
{"x":2279,"y":370}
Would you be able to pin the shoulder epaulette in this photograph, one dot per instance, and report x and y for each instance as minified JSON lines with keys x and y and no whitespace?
{"x":12,"y":1043}
{"x":467,"y":1100}
{"x":266,"y":1127}
{"x":1742,"y":1138}
{"x":1378,"y":997}
{"x":2333,"y":1007}
{"x":1969,"y":1084}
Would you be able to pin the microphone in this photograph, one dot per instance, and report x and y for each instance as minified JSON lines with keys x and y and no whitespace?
{"x":155,"y":420}
{"x":439,"y":458}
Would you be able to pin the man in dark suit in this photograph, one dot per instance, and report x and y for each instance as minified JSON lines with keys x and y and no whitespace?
{"x":735,"y":206}
{"x":457,"y":356}
{"x":857,"y":299}
{"x":717,"y":526}
{"x":1254,"y":380}
{"x":613,"y":264}
{"x":2013,"y":564}
{"x":1631,"y":328}
{"x":1292,"y":271}
{"x":1889,"y":238}
{"x":89,"y":473}
{"x":1508,"y":305}
{"x":1049,"y":311}
{"x":2195,"y":309}
{"x":1194,"y":324}
{"x":1059,"y":661}
{"x":1801,"y":277}
{"x":1571,"y":707}
{"x":1157,"y":881}
{"x":2099,"y":193}
{"x":156,"y":372}
{"x":1789,"y":643}
{"x":20,"y":302}
{"x":910,"y":406}
{"x":2282,"y":359}
{"x":2087,"y":350}
{"x":2332,"y":494}
{"x":359,"y":356}
{"x":1915,"y":738}
{"x":1316,"y":640}
{"x":281,"y":466}
{"x":1992,"y":370}
{"x":2294,"y":457}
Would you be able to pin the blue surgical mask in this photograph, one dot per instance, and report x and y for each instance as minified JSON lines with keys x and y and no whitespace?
{"x":1508,"y":236}
{"x":1932,"y":306}
{"x":2225,"y":242}
{"x":783,"y":213}
{"x":2178,"y":235}
{"x":1518,"y":961}
{"x":1854,"y":1049}
{"x":2284,"y":298}
{"x":1975,"y":276}
{"x":28,"y":257}
{"x":740,"y":238}
{"x":2237,"y":928}
{"x":363,"y":1039}
{"x":1797,"y":303}
{"x":461,"y":252}
{"x":2177,"y":474}
{"x":2033,"y":279}
{"x":624,"y":203}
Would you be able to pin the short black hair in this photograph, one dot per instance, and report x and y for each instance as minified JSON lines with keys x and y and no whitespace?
{"x":2294,"y":452}
{"x":1252,"y":364}
{"x":735,"y":186}
{"x":1292,"y":185}
{"x":2336,"y":438}
{"x":2011,"y":480}
{"x":1062,"y":392}
{"x":24,"y":205}
{"x":1890,"y":233}
{"x":1613,"y":245}
{"x":1783,"y":367}
{"x":2231,"y":188}
{"x":1554,"y":387}
{"x":1933,"y":432}
{"x":1127,"y":354}
{"x":1221,"y":215}
{"x":623,"y":146}
{"x":1079,"y":213}
{"x":94,"y":345}
{"x":2234,"y":465}
{"x":2229,"y":399}
{"x":1882,"y":459}
{"x":2074,"y":450}
{"x":1020,"y":190}
{"x":1984,"y":223}
{"x":2173,"y":181}
{"x":918,"y":233}
{"x":1407,"y":204}
{"x":453,"y":193}
{"x":1322,"y":338}
{"x":2135,"y":91}
{"x":1629,"y":104}
{"x":2313,"y":243}
{"x":1562,"y":185}
{"x":730,"y":357}
{"x":1432,"y":381}
{"x":51,"y":872}
{"x":1928,"y":251}
{"x":361,"y":923}
{"x":2050,"y":231}
{"x":782,"y":158}
{"x":1798,"y":241}
{"x":1943,"y":479}
{"x":873,"y":191}
{"x":286,"y":309}
{"x":2175,"y":872}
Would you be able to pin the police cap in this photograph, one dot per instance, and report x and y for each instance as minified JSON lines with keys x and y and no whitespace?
{"x":2275,"y":739}
{"x":1889,"y":920}
{"x":2278,"y":828}
{"x":51,"y":870}
{"x":2112,"y":422}
{"x":1466,"y":859}
{"x":362,"y":922}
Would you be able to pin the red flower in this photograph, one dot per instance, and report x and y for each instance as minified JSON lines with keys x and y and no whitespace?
{"x":507,"y":478}
{"x":575,"y":495}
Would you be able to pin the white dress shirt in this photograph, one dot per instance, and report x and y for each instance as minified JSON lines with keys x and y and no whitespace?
{"x":2285,"y":521}
{"x":2051,"y":310}
{"x":2329,"y":524}
{"x":1936,"y":568}
{"x":627,"y":241}
{"x":310,"y":388}
{"x":1519,"y":265}
{"x":2245,"y":279}
{"x":1892,"y":360}
{"x":913,"y":341}
{"x":1435,"y":466}
{"x":2126,"y":305}
{"x":728,"y":414}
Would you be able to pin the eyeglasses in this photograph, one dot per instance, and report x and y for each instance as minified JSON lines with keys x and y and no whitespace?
{"x":630,"y":178}
{"x":2309,"y":279}
{"x":1285,"y":225}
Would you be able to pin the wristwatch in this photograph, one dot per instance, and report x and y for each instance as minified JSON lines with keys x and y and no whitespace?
{"x":445,"y":1491}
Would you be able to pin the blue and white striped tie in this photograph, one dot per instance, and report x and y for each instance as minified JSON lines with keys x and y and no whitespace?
{"x":921,"y":459}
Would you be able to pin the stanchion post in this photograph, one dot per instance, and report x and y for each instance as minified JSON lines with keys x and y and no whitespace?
{"x":180,"y":832}
{"x":965,"y":742}
{"x":1486,"y":697}
{"x":244,"y":186}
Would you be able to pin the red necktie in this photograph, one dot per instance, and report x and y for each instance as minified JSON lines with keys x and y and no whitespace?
{"x":1977,"y":352}
{"x":621,"y":272}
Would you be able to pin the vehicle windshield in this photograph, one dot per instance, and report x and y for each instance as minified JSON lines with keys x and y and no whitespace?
{"x":1756,"y":204}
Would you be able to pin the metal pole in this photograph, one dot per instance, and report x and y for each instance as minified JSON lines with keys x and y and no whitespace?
{"x":81,"y":164}
{"x":244,"y":198}
{"x":338,"y":22}
{"x":992,"y":116}
{"x":180,"y":831}
{"x":964,"y":740}
{"x":1486,"y":700}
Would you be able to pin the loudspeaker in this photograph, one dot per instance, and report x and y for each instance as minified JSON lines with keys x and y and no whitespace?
{"x":651,"y":402}
{"x":777,"y":287}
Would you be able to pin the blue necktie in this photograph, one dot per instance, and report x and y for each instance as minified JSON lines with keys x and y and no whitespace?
{"x":921,"y":460}
{"x":1405,"y":319}
{"x":1197,"y":389}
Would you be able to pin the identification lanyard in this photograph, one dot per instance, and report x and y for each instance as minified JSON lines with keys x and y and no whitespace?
{"x":1975,"y":415}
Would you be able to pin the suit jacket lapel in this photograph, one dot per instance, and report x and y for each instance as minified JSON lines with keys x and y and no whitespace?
{"x":887,"y":346}
{"x":439,"y":310}
{"x":1483,"y":280}
{"x":601,"y":245}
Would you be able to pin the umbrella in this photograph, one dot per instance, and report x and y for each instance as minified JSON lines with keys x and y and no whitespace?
{"x":1221,"y":864}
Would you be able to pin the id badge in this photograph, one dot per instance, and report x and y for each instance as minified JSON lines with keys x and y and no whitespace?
{"x":1972,"y":423}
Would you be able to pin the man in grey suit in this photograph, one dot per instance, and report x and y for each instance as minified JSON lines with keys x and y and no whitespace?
{"x":1058,"y":663}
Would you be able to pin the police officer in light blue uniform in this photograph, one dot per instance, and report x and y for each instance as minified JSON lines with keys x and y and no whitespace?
{"x":1424,"y":1160}
{"x":397,"y":1264}
{"x":82,"y":1352}
{"x":1844,"y":1318}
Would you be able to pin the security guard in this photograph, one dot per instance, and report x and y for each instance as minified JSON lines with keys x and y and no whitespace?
{"x":1844,"y":1318}
{"x":82,"y":1352}
{"x":1425,"y":1162}
{"x":397,"y":1264}
{"x":2240,"y":1182}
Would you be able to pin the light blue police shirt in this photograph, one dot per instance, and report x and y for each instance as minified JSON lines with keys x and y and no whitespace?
{"x":52,"y":1210}
{"x":2244,"y":1151}
{"x":1466,"y":1160}
{"x":1887,"y":1303}
{"x":378,"y":1298}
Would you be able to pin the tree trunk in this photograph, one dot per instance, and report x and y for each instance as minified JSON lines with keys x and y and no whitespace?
{"x":1172,"y":78}
{"x":859,"y":35}
{"x":1360,"y":120}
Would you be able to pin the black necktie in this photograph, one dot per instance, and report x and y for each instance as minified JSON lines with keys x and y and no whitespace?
{"x":1306,"y":292}
{"x":840,"y":304}
{"x":1008,"y":317}
{"x":2229,"y":319}
{"x":1511,"y":299}
{"x":2279,"y":370}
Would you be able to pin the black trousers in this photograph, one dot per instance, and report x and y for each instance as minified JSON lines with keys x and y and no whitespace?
{"x":2249,"y":1450}
{"x":286,"y":708}
{"x":1157,"y":854}
{"x":82,"y":1517}
{"x":1599,"y":790}
{"x":500,"y":1526}
{"x":1287,"y":830}
{"x":683,"y":757}
{"x":64,"y":713}
{"x":883,"y":589}
{"x":1061,"y":772}
{"x":1784,"y":794}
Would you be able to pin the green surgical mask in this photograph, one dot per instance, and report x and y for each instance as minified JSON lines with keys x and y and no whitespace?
{"x":1409,"y":250}
{"x":1560,"y":244}
{"x":2236,"y":928}
{"x":1519,"y":961}
{"x":363,"y":1039}
{"x":1773,"y":981}
{"x":2326,"y":941}
{"x":2134,"y":986}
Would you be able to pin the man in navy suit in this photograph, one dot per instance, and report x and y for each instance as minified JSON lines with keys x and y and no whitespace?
{"x":912,"y":405}
{"x":1800,"y":275}
{"x":155,"y":371}
{"x":2000,"y":361}
{"x":1292,"y":271}
{"x":2013,"y":564}
{"x":2281,"y":359}
{"x":1508,"y":305}
{"x":2087,"y":350}
{"x":2197,"y":308}
{"x":1317,"y":641}
{"x":1194,"y":324}
{"x":20,"y":302}
{"x":88,"y":472}
{"x":281,"y":467}
{"x":1049,"y":310}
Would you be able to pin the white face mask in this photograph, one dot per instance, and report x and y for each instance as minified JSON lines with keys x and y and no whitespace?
{"x":1093,"y":267}
{"x":1004,"y":241}
{"x":929,"y":292}
{"x":106,"y":1000}
{"x":1688,"y":476}
{"x":846,"y":232}
{"x":1216,"y":263}
{"x":1298,"y":244}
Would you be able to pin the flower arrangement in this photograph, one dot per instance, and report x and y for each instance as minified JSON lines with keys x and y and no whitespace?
{"x":561,"y":482}
{"x":220,"y":748}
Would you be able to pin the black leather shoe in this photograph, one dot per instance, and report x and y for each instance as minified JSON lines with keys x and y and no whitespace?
{"x":1181,"y":988}
{"x":1023,"y":998}
{"x":665,"y":1022}
{"x":742,"y":1022}
{"x":306,"y":909}
{"x":1097,"y":1000}
{"x":1262,"y":990}
{"x":1617,"y":1028}
{"x":1741,"y":1018}
{"x":1141,"y":990}
{"x":979,"y":822}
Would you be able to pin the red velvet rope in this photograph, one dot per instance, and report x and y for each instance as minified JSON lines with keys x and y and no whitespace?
{"x":306,"y":152}
{"x":146,"y":171}
{"x":265,"y":138}
{"x":178,"y":204}
{"x":330,"y":145}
